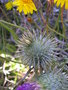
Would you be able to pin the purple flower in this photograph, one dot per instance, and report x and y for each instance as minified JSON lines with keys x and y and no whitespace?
{"x":29,"y":86}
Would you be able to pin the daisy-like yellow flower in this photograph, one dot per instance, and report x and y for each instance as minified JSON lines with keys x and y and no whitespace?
{"x":62,"y":3}
{"x":9,"y":5}
{"x":27,"y":6}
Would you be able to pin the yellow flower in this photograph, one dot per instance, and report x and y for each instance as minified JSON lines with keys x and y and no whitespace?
{"x":62,"y":3}
{"x":27,"y":6}
{"x":9,"y":5}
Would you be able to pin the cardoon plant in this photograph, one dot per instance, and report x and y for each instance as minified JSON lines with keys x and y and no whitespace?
{"x":53,"y":81}
{"x":37,"y":50}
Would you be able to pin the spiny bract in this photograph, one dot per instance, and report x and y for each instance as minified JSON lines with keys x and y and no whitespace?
{"x":53,"y":81}
{"x":37,"y":50}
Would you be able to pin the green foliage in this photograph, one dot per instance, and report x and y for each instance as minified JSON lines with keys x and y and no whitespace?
{"x":10,"y":70}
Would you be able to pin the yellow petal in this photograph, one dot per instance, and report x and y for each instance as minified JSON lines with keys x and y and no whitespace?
{"x":9,"y":5}
{"x":27,"y":6}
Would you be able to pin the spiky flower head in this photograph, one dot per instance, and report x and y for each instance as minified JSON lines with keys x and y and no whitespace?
{"x":37,"y":50}
{"x":53,"y":81}
{"x":29,"y":86}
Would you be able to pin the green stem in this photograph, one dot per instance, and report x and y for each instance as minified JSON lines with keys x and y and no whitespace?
{"x":8,"y":59}
{"x":8,"y":23}
{"x":4,"y":13}
{"x":10,"y":30}
{"x":55,"y":31}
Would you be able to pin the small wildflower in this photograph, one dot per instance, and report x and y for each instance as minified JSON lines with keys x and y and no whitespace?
{"x":29,"y":86}
{"x":27,"y":6}
{"x":9,"y":5}
{"x":62,"y":3}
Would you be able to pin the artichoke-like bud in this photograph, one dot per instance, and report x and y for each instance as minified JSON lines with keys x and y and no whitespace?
{"x":37,"y":50}
{"x":53,"y":81}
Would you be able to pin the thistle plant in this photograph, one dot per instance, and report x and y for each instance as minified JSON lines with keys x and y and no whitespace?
{"x":53,"y":81}
{"x":37,"y":50}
